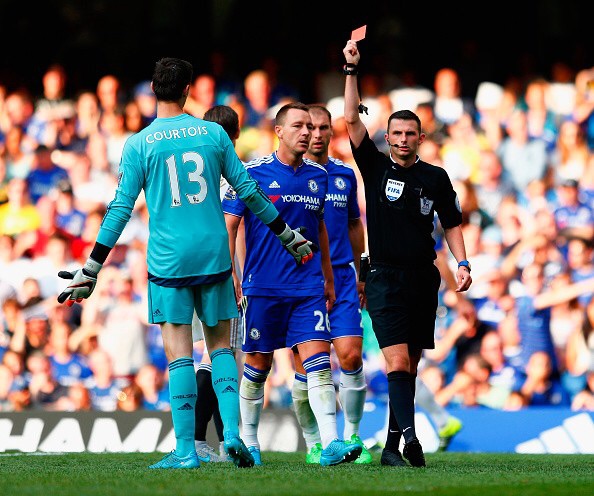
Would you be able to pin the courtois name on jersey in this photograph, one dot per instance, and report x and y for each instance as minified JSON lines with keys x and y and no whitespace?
{"x":341,"y":205}
{"x":178,"y":161}
{"x":299,"y":196}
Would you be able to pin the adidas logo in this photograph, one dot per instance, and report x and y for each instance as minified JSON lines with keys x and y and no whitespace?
{"x":186,"y":406}
{"x":574,"y":435}
{"x":229,"y":389}
{"x":274,"y":184}
{"x":157,"y":313}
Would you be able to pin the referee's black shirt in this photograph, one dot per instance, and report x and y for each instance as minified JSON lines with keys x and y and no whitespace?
{"x":401,"y":203}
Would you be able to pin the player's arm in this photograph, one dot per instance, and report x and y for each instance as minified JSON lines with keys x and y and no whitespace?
{"x":326,"y":265}
{"x":232,"y":222}
{"x":354,"y":124}
{"x":119,"y":210}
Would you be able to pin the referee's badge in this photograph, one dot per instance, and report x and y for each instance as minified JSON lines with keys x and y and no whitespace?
{"x":426,"y":205}
{"x":394,"y":189}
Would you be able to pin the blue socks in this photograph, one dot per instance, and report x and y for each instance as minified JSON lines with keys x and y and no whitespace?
{"x":182,"y":394}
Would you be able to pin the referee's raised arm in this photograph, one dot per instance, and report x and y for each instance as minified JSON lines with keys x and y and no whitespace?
{"x":355,"y":126}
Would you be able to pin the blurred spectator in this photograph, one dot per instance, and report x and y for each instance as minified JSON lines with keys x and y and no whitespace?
{"x":32,"y":330}
{"x":81,"y":246}
{"x":155,"y":393}
{"x":18,"y":111}
{"x":434,"y":130}
{"x":57,"y":257}
{"x":584,"y":400}
{"x":569,"y":158}
{"x":540,"y":120}
{"x":581,"y":264}
{"x":533,"y":320}
{"x":257,"y":92}
{"x":5,"y":388}
{"x":487,"y":102}
{"x":109,"y":93}
{"x":583,"y":112}
{"x":16,"y":363}
{"x":68,"y":217}
{"x":130,"y":398}
{"x":524,"y":159}
{"x":18,"y":215}
{"x":46,"y":392}
{"x":123,"y":329}
{"x":113,"y":128}
{"x":503,"y":375}
{"x":202,"y":95}
{"x":573,"y":217}
{"x":78,"y":400}
{"x":34,"y":243}
{"x":147,"y":102}
{"x":88,"y":113}
{"x":461,"y":149}
{"x":17,"y":160}
{"x":449,"y":105}
{"x":133,"y":117}
{"x":102,"y":385}
{"x":492,"y":186}
{"x":45,"y":174}
{"x":540,"y":386}
{"x":68,"y":368}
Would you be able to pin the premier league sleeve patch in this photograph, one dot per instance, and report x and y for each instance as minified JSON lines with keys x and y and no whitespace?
{"x":426,"y":205}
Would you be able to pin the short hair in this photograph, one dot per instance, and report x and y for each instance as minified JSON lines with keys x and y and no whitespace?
{"x":317,"y":108}
{"x":282,"y":113}
{"x":405,"y":115}
{"x":170,"y":78}
{"x":226,"y":117}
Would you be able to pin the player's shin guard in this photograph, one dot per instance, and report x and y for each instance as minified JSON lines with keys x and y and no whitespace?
{"x":226,"y":387}
{"x":322,"y":395}
{"x":251,"y":391}
{"x":182,"y":395}
{"x":304,"y":413}
{"x":351,"y":393}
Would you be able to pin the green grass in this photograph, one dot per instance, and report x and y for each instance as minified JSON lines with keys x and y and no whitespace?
{"x":287,"y":474}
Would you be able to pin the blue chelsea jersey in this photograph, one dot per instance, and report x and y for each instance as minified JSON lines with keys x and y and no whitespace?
{"x":298,"y":195}
{"x":178,"y":162}
{"x":341,"y":206}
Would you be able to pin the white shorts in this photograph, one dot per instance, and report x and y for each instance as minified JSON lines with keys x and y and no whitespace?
{"x":236,"y":331}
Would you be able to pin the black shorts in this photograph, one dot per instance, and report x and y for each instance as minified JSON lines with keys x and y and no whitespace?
{"x":402,"y":302}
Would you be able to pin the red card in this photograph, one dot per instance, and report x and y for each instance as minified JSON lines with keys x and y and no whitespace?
{"x":359,"y":33}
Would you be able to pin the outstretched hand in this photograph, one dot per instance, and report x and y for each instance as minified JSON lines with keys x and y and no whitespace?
{"x":83,"y":283}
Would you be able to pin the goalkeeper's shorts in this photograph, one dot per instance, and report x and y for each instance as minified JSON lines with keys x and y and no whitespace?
{"x":211,"y":302}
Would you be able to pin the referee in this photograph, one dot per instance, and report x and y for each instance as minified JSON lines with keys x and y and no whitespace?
{"x":402,"y":194}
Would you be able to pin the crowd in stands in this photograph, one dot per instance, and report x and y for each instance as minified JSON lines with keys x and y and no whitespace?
{"x":521,"y":158}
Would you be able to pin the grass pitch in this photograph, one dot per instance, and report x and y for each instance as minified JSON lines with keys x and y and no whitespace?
{"x":287,"y":474}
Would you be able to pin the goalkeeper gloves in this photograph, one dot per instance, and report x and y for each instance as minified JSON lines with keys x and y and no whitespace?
{"x":83,"y":282}
{"x":300,"y":248}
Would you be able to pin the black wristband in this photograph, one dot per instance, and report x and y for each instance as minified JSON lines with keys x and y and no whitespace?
{"x":277,"y":226}
{"x":350,"y":69}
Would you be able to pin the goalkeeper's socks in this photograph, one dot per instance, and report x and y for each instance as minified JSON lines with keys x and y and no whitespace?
{"x":251,"y":400}
{"x":322,"y":395}
{"x":226,"y":387}
{"x":351,"y":392}
{"x":206,"y":403}
{"x":402,"y":401}
{"x":182,"y":395}
{"x":304,"y":413}
{"x":394,"y":434}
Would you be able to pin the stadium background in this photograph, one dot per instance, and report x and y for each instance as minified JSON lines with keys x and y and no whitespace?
{"x":95,"y":38}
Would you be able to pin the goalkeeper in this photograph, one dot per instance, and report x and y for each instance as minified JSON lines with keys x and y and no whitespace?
{"x":178,"y":161}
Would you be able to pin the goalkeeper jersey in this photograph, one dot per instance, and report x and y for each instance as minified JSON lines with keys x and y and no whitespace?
{"x":178,"y":161}
{"x":341,"y":206}
{"x":298,"y":194}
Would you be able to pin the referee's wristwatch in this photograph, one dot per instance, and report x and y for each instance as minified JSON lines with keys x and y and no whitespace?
{"x":464,"y":263}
